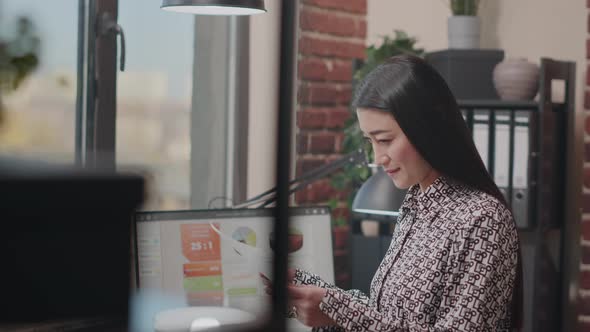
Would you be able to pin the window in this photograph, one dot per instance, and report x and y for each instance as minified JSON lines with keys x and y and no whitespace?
{"x":38,"y":64}
{"x":154,"y":101}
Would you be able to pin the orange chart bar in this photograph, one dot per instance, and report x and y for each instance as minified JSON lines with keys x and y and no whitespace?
{"x":202,"y":269}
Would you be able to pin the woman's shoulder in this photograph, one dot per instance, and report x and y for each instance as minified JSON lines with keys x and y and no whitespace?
{"x":477,"y":208}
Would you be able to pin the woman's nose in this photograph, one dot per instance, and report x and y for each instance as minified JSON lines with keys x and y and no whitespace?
{"x":381,"y":159}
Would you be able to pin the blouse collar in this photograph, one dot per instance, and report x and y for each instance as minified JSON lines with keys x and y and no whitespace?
{"x":428,"y":202}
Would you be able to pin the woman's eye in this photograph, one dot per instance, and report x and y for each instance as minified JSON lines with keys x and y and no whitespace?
{"x":383,"y":141}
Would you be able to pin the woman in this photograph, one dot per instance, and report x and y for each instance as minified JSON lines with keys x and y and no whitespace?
{"x":454,"y":258}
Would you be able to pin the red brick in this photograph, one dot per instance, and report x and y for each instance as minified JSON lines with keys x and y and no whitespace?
{"x":302,"y":143}
{"x":313,"y":45}
{"x":315,"y":69}
{"x":337,"y":117}
{"x":587,"y":100}
{"x":340,"y":71}
{"x":320,"y":191}
{"x":343,"y":194}
{"x":584,"y":306}
{"x":585,"y":280}
{"x":585,"y":228}
{"x":587,"y":148}
{"x":329,"y":23}
{"x":583,"y":326}
{"x":586,"y":203}
{"x":588,"y":72}
{"x":588,"y":3}
{"x":305,"y":165}
{"x":311,"y":120}
{"x":355,"y":6}
{"x":585,"y":254}
{"x":301,"y":197}
{"x":587,"y":124}
{"x":587,"y":178}
{"x":363,"y":28}
{"x":341,"y":212}
{"x":312,"y":69}
{"x":322,"y":143}
{"x":325,"y":94}
{"x":587,"y":48}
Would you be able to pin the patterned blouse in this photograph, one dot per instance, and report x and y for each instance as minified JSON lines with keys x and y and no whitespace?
{"x":451,"y":266}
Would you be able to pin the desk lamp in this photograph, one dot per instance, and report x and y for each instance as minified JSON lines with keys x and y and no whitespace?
{"x":378,"y":198}
{"x":215,"y":7}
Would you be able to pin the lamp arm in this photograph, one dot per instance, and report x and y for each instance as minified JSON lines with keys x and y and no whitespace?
{"x":358,"y":157}
{"x":298,"y":187}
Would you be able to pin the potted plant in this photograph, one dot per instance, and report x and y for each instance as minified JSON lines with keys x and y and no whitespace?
{"x":351,"y":177}
{"x":463,"y":25}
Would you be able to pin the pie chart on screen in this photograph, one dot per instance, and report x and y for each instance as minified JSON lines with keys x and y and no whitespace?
{"x":245,"y":235}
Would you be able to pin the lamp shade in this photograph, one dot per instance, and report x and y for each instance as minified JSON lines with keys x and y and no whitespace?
{"x":215,"y":7}
{"x":379,"y":198}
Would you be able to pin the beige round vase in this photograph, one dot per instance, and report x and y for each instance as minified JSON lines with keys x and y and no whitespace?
{"x":516,"y":79}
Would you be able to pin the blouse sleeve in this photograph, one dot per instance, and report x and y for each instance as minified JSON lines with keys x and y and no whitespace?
{"x":477,"y":292}
{"x":307,"y":278}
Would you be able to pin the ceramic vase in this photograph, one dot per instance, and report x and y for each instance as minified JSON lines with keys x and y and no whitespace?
{"x":516,"y":79}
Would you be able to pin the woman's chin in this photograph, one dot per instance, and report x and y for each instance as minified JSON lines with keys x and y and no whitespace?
{"x":400,"y":184}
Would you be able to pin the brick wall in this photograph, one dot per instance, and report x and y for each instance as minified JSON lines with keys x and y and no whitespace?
{"x":332,"y":34}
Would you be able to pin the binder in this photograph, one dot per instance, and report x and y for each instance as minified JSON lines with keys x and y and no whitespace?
{"x":520,"y":199}
{"x":502,"y":152}
{"x":480,"y":134}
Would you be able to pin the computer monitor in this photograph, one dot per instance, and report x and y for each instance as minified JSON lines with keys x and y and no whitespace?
{"x":65,"y":246}
{"x":214,"y":257}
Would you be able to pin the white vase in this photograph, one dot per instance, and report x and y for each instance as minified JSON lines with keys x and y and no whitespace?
{"x":516,"y":79}
{"x":463,"y":32}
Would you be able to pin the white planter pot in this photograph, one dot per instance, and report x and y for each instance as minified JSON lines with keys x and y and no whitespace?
{"x":463,"y":32}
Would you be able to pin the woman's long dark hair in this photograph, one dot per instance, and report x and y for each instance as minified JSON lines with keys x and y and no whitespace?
{"x":427,"y":112}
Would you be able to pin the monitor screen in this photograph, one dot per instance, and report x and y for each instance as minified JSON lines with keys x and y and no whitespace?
{"x":214,"y":257}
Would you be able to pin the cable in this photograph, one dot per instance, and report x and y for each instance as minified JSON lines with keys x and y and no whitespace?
{"x":218,"y":198}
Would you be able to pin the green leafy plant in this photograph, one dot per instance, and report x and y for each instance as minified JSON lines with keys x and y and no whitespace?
{"x":401,"y":43}
{"x":19,"y":56}
{"x":464,"y":7}
{"x":351,"y":177}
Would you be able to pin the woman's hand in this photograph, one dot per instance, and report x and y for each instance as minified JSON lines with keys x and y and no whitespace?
{"x":268,"y":283}
{"x":306,"y":303}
